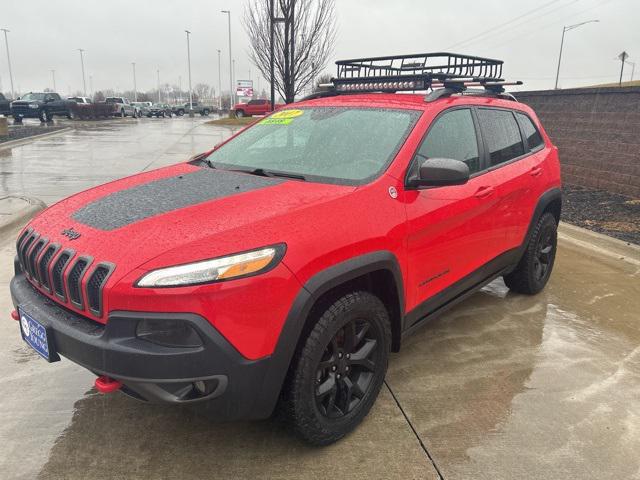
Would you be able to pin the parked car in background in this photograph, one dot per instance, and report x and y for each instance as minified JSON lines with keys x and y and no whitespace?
{"x":42,"y":105}
{"x":80,"y":100}
{"x":252,"y":107}
{"x":160,"y":110}
{"x":142,"y":108}
{"x":124,"y":108}
{"x":203,"y":110}
{"x":5,"y":105}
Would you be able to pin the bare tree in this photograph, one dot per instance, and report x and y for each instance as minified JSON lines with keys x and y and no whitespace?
{"x":314,"y":25}
{"x":202,"y":90}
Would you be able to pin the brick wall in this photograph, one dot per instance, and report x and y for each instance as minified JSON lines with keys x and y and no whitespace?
{"x":597,"y":131}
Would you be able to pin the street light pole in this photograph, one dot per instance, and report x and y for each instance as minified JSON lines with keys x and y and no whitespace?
{"x":84,"y":81}
{"x":135,"y":86}
{"x":564,"y":30}
{"x":623,"y":58}
{"x":6,"y":44}
{"x":53,"y":77}
{"x":158,"y":72}
{"x":272,"y":56}
{"x":231,"y":95}
{"x":219,"y":83}
{"x":189,"y":65}
{"x":633,"y":69}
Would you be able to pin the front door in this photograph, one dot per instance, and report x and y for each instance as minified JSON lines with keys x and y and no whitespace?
{"x":450,"y":229}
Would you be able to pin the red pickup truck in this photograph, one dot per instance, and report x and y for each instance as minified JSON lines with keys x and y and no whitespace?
{"x":253,"y":107}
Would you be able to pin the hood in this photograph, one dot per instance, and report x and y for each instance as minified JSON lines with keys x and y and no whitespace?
{"x":179,"y":214}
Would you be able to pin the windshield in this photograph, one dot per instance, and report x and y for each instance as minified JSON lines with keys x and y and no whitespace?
{"x":112,"y":100}
{"x":33,"y":96}
{"x":335,"y":144}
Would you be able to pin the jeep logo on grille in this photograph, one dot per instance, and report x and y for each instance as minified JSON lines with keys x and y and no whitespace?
{"x":71,"y":233}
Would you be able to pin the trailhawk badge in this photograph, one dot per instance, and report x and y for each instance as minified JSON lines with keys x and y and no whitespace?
{"x":71,"y":233}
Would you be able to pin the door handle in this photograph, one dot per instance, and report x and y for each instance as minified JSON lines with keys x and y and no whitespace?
{"x":484,"y":192}
{"x":535,"y":171}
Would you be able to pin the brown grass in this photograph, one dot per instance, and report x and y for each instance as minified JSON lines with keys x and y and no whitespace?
{"x":234,"y":122}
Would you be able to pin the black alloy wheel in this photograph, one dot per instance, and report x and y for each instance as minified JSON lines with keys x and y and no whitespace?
{"x":345,"y":372}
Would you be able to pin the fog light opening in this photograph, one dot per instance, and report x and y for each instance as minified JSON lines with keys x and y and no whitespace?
{"x":205,"y":387}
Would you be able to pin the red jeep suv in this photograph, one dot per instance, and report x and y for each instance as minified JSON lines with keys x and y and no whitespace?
{"x":283,"y":266}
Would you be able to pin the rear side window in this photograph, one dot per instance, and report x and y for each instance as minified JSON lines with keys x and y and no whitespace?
{"x":453,"y":135}
{"x":531,"y":133}
{"x":501,"y":134}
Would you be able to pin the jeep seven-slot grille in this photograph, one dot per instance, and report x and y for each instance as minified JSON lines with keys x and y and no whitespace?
{"x":61,"y":272}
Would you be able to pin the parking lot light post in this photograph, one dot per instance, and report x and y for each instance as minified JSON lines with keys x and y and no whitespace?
{"x":84,"y":80}
{"x":53,"y":77}
{"x":189,"y":66}
{"x":158,"y":72}
{"x":6,"y":44}
{"x":135,"y":86}
{"x":565,"y":30}
{"x":231,"y":95}
{"x":219,"y":83}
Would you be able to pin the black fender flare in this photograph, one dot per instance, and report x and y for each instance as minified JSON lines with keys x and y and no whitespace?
{"x":551,"y":195}
{"x":312,"y":290}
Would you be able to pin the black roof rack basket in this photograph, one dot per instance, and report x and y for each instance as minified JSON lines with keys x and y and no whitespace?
{"x":414,"y":72}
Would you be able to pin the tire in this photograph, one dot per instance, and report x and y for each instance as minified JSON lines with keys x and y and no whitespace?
{"x":46,"y":117}
{"x":239,"y":113}
{"x":17,"y":120}
{"x":122,"y":113}
{"x":71,"y":115}
{"x":135,"y":114}
{"x":319,"y":397}
{"x":180,"y":112}
{"x":206,"y":112}
{"x":534,"y":269}
{"x":163,"y":115}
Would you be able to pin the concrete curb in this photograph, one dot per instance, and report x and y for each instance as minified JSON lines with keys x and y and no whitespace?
{"x":23,"y":141}
{"x":599,"y":243}
{"x":15,"y":211}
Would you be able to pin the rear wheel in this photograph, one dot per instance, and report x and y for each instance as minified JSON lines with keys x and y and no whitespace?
{"x":239,"y":113}
{"x":206,"y":112}
{"x":339,"y":371}
{"x":533,"y":272}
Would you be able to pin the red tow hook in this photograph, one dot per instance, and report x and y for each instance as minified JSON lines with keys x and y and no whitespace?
{"x":15,"y":315}
{"x":106,"y":384}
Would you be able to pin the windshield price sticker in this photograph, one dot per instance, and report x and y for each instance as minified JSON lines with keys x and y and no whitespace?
{"x":283,"y":117}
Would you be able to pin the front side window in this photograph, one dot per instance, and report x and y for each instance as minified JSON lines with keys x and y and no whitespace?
{"x":531,"y":133}
{"x":453,"y":135}
{"x":334,"y":144}
{"x":33,"y":96}
{"x":501,"y":134}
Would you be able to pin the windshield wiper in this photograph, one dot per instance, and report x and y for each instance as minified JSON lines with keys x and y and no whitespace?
{"x":270,"y":173}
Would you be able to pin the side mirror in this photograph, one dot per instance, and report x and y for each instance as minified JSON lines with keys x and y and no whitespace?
{"x":440,"y":172}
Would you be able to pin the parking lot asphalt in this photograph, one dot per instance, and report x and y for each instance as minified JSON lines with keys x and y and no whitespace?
{"x":503,"y":386}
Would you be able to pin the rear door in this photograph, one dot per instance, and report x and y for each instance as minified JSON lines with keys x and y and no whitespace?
{"x":450,"y":229}
{"x":516,"y":166}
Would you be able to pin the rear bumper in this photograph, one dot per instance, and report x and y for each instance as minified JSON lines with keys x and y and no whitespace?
{"x":235,"y":385}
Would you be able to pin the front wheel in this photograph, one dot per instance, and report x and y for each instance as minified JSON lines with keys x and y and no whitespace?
{"x":239,"y":113}
{"x":71,"y":115}
{"x":122,"y":113}
{"x":46,"y":117}
{"x":339,"y":371}
{"x":534,"y":269}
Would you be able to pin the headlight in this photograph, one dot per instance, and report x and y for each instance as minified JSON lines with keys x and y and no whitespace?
{"x":215,"y":270}
{"x":34,"y":105}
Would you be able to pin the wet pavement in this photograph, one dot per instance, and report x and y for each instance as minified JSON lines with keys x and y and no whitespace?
{"x":97,"y":152}
{"x":503,"y":386}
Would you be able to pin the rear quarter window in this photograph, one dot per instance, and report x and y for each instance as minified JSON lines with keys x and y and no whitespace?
{"x":501,"y":134}
{"x":531,"y":133}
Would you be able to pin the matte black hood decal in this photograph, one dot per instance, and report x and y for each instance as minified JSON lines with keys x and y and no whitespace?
{"x":161,"y":196}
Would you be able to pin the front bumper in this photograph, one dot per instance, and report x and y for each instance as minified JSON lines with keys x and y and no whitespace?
{"x":152,"y":372}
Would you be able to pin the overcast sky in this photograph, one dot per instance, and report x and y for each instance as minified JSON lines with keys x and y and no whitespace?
{"x":46,"y":34}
